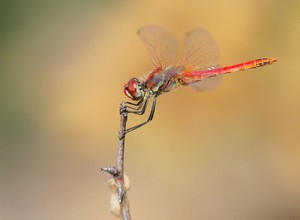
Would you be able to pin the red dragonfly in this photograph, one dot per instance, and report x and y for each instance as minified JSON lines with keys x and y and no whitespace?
{"x":195,"y":63}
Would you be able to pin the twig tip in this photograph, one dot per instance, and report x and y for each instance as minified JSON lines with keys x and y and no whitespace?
{"x":111,"y":170}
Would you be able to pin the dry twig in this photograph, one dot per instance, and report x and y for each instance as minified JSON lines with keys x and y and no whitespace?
{"x":120,"y":182}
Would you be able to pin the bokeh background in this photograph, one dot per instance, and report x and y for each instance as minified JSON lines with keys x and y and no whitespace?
{"x":230,"y":153}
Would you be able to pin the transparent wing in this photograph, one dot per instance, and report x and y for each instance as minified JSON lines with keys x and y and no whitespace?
{"x":207,"y":84}
{"x":200,"y":50}
{"x":162,"y":45}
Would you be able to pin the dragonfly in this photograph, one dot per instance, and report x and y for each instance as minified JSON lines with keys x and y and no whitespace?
{"x":194,"y":64}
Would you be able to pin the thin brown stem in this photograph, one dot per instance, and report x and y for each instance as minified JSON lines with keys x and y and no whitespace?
{"x":117,"y":172}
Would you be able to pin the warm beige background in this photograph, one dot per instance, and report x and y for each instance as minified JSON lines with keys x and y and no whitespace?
{"x":232,"y":153}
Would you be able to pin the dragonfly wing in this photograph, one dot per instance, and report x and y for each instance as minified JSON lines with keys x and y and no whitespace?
{"x":162,"y":45}
{"x":207,"y":84}
{"x":200,"y":50}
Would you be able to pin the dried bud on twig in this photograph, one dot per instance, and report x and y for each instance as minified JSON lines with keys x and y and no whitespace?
{"x":114,"y":204}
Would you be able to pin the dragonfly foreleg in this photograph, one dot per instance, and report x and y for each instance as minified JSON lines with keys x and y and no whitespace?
{"x":149,"y":118}
{"x":137,"y":105}
{"x":143,"y":105}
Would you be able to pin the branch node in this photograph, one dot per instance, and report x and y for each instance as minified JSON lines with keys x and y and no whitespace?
{"x":111,"y":170}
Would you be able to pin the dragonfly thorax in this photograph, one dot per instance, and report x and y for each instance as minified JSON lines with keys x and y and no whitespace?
{"x":134,"y":89}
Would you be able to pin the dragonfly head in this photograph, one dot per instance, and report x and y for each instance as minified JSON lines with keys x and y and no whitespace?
{"x":134,"y":89}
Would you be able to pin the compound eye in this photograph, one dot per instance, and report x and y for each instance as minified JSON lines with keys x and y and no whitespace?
{"x":127,"y":93}
{"x":132,"y":89}
{"x":132,"y":86}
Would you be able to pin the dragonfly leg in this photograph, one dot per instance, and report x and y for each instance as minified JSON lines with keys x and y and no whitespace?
{"x":143,"y":105}
{"x":149,"y":118}
{"x":137,"y":105}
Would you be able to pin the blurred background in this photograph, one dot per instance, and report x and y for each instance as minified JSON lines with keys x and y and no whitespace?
{"x":230,"y":153}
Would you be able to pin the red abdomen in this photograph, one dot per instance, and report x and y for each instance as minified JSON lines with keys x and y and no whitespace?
{"x":189,"y":77}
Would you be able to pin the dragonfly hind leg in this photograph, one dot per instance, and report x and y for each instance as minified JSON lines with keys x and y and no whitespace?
{"x":142,"y":112}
